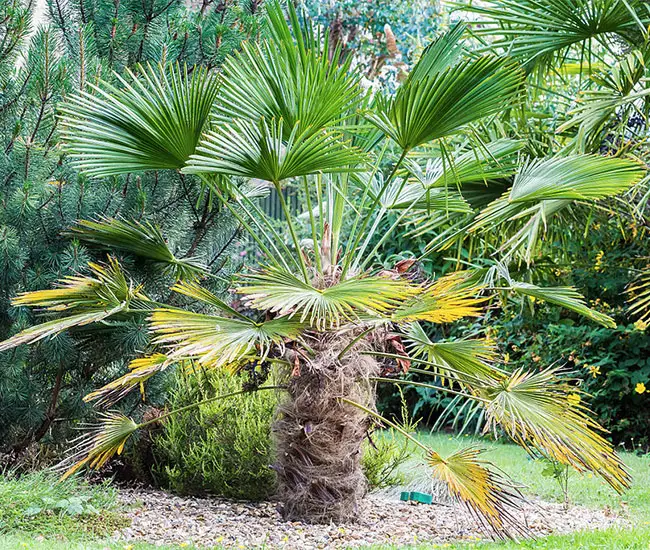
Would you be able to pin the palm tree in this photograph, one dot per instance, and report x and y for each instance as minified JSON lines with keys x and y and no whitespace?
{"x":319,"y":309}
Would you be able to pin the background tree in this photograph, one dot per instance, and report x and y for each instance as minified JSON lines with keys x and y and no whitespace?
{"x":43,"y":195}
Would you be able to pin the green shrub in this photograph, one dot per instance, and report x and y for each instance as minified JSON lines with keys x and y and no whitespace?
{"x":221,"y":448}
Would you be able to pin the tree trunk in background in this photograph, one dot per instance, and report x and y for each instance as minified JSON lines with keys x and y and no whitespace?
{"x":319,"y":438}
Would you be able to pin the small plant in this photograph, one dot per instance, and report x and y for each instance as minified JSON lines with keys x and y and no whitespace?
{"x":71,"y":508}
{"x":560,"y":473}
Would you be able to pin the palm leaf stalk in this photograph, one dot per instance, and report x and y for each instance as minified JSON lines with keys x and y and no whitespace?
{"x":330,"y":322}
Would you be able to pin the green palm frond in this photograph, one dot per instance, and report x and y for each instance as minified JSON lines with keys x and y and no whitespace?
{"x":145,"y":240}
{"x":429,"y":108}
{"x":279,"y":291}
{"x":141,"y":370}
{"x":535,"y":409}
{"x":152,"y":122}
{"x":218,"y":341}
{"x":542,"y":32}
{"x":444,"y":52}
{"x":193,"y":290}
{"x":495,"y":160}
{"x":259,"y":150}
{"x":575,"y":177}
{"x":470,"y":361}
{"x":566,"y":297}
{"x":290,"y":77}
{"x":489,"y":496}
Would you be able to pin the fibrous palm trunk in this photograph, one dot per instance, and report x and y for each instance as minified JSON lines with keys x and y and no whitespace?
{"x":319,"y":437}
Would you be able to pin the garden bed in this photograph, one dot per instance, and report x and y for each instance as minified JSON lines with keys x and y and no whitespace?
{"x":160,"y":518}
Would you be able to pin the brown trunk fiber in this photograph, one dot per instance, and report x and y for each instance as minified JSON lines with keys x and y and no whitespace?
{"x":319,"y":438}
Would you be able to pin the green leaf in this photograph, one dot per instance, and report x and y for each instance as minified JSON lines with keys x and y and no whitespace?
{"x":436,"y":106}
{"x":152,"y":122}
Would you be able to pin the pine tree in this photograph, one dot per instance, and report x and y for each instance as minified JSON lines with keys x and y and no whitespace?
{"x":42,"y":196}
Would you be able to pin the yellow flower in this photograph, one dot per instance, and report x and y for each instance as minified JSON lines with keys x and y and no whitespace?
{"x":640,"y":325}
{"x":640,"y":388}
{"x":598,"y":266}
{"x":506,"y":357}
{"x":573,"y":398}
{"x":593,"y":370}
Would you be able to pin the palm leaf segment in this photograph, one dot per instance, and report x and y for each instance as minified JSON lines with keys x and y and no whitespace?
{"x":546,"y":187}
{"x":152,"y":122}
{"x":85,"y":300}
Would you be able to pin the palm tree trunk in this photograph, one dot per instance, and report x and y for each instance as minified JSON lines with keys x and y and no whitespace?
{"x":318,"y":438}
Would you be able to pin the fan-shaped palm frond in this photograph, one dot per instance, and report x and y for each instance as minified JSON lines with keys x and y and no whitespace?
{"x":291,"y":77}
{"x":258,"y":150}
{"x":100,"y":443}
{"x":566,"y":297}
{"x":470,"y":361}
{"x":281,"y":292}
{"x":446,"y":300}
{"x":575,"y":177}
{"x":152,"y":122}
{"x":428,"y":108}
{"x":539,"y":32}
{"x":490,"y":497}
{"x":534,"y":409}
{"x":145,"y":240}
{"x":85,"y":299}
{"x":218,"y":341}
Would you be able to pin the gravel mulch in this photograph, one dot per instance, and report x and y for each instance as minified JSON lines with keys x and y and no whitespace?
{"x":161,"y":518}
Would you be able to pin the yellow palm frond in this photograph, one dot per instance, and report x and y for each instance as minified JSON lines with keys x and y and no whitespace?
{"x":490,"y":497}
{"x":100,"y":444}
{"x":141,"y":369}
{"x":446,"y":300}
{"x":281,"y":292}
{"x":535,"y":410}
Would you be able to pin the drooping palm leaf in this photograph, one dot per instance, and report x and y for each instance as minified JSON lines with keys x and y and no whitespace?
{"x":534,"y":409}
{"x":489,"y":496}
{"x":566,"y":297}
{"x":141,"y":370}
{"x":85,"y":300}
{"x":152,"y":122}
{"x":142,"y":239}
{"x":575,"y":177}
{"x":639,"y":293}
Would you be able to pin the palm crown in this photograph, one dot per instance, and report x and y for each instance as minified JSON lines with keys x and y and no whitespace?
{"x":286,"y":112}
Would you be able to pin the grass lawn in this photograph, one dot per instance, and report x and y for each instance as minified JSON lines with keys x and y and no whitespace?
{"x":37,"y":514}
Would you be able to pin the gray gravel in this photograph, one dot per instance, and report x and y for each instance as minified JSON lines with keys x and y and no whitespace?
{"x":160,"y":518}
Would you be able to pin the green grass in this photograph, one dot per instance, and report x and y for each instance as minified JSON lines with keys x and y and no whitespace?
{"x":54,"y":529}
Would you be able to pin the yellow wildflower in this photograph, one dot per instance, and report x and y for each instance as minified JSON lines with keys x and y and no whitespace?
{"x":640,"y":388}
{"x":598,"y":266}
{"x":594,"y":370}
{"x":506,"y":357}
{"x":641,"y":325}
